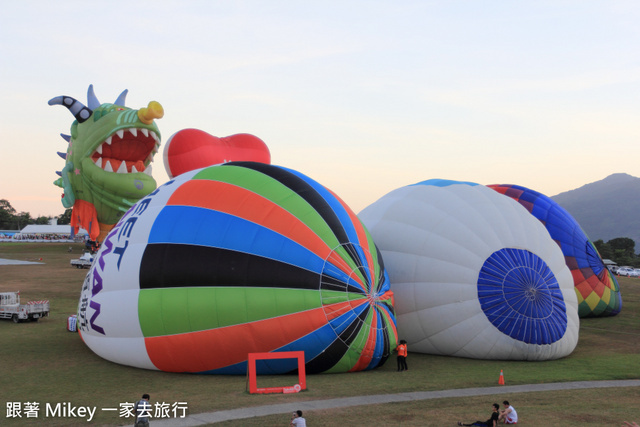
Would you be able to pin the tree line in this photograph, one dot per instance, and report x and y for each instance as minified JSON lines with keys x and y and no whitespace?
{"x":12,"y":220}
{"x":621,"y":250}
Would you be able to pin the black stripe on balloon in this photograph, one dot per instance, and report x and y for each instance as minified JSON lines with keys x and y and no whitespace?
{"x":385,"y":337}
{"x":353,"y":253}
{"x":310,"y":195}
{"x":332,"y":284}
{"x":380,"y":279}
{"x":174,"y":266}
{"x":337,"y":349}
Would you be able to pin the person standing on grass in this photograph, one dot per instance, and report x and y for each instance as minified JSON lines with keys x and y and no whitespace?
{"x":509,"y":414}
{"x":402,"y":356}
{"x":297,"y":420}
{"x":142,"y":410}
{"x":491,"y":422}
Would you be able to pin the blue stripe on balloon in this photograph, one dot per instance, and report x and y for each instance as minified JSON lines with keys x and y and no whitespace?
{"x":313,"y":345}
{"x":444,"y":183}
{"x":521,"y":297}
{"x":378,"y":350}
{"x":183,"y":225}
{"x":338,"y":210}
{"x":334,"y":203}
{"x":342,"y":322}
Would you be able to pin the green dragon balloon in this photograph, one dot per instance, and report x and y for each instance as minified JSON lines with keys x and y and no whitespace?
{"x":108,"y":160}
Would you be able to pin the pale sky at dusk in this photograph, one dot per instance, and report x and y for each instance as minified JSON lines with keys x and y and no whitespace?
{"x":362,"y":96}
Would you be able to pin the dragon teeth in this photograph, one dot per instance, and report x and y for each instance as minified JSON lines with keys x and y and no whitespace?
{"x":122,"y":168}
{"x":145,"y":132}
{"x":147,"y":170}
{"x":133,"y":169}
{"x":155,"y":137}
{"x":99,"y":162}
{"x":120,"y":133}
{"x":134,"y":132}
{"x":108,"y":140}
{"x":99,"y":149}
{"x":107,"y":167}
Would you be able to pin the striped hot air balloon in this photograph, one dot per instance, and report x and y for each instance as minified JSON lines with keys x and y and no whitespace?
{"x":235,"y":259}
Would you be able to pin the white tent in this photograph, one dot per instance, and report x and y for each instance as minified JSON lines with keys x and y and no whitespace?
{"x":47,"y":232}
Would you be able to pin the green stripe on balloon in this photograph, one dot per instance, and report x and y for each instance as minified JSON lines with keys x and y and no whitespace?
{"x":353,"y":354}
{"x":274,"y":191}
{"x":279,"y":194}
{"x":165,"y":311}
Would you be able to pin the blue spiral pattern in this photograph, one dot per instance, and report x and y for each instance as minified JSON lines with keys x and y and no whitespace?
{"x":521,"y":297}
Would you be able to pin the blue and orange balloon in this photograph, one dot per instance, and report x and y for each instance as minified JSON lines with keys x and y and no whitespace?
{"x":234,"y":259}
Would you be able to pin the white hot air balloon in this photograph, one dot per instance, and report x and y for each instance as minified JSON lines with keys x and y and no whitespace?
{"x":474,"y":275}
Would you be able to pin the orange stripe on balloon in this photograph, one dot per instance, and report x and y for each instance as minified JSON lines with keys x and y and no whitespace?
{"x":368,"y":351}
{"x":242,"y":203}
{"x":216,"y":348}
{"x":336,"y":310}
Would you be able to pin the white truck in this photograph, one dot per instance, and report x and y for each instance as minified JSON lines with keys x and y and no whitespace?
{"x":84,"y":261}
{"x":10,"y":308}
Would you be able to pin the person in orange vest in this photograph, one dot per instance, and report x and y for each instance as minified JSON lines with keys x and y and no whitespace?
{"x":402,"y":356}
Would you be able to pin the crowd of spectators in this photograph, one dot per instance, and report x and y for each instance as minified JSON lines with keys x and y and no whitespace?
{"x":38,"y":237}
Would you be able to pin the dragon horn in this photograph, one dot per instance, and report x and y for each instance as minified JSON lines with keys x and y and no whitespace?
{"x":66,"y":137}
{"x":120,"y":101}
{"x":63,"y":155}
{"x":92,"y":98}
{"x":76,"y":107}
{"x":59,"y":173}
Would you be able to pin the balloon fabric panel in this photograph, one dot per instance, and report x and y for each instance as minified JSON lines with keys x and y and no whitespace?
{"x":473,"y":273}
{"x":174,"y":353}
{"x":521,"y":297}
{"x":597,"y":289}
{"x":241,"y":258}
{"x":282,"y":198}
{"x":166,"y":311}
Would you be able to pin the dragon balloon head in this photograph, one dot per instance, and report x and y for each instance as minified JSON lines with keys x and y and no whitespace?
{"x":108,"y":160}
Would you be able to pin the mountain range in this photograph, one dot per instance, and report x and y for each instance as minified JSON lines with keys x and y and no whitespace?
{"x":606,"y":209}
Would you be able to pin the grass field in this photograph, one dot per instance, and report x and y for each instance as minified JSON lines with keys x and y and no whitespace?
{"x":44,"y":363}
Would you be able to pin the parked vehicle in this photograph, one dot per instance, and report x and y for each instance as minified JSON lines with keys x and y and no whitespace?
{"x":636,"y":272}
{"x":10,"y":308}
{"x":614,"y":269}
{"x":84,"y":261}
{"x":625,"y":271}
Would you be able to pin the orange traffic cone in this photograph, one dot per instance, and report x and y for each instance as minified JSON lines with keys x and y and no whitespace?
{"x":501,"y":380}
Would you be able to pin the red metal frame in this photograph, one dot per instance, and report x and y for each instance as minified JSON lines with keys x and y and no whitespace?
{"x":251,"y":372}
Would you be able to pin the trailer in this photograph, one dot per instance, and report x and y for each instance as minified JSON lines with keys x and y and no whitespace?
{"x":84,"y":261}
{"x":10,"y":308}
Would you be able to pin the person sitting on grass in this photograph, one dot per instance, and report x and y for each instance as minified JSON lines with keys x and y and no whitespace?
{"x":491,"y":422}
{"x":509,"y":414}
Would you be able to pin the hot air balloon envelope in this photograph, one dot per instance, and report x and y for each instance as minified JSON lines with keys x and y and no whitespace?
{"x":474,"y":275}
{"x":235,"y":259}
